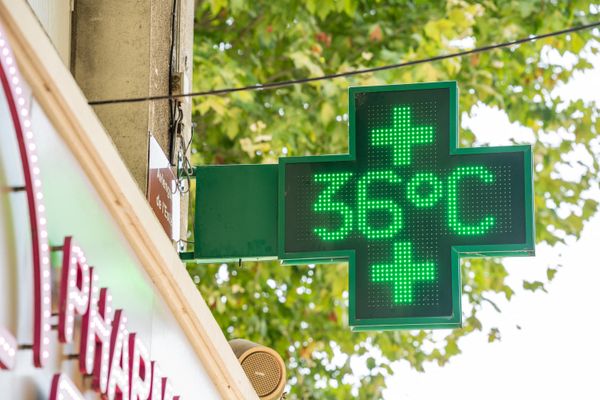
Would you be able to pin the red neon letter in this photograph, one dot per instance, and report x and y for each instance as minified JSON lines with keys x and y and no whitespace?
{"x":74,"y":289}
{"x":160,"y":388}
{"x":156,"y":382}
{"x":167,"y":390}
{"x":17,"y":98}
{"x":63,"y":389}
{"x":118,"y":376}
{"x":96,"y":328}
{"x":139,"y":369}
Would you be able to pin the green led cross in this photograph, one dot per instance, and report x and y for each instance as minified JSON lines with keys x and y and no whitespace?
{"x":402,"y":135}
{"x":402,"y":207}
{"x":403,"y":273}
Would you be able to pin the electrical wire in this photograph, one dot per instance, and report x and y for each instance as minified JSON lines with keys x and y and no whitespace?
{"x":172,"y":101}
{"x":273,"y":85}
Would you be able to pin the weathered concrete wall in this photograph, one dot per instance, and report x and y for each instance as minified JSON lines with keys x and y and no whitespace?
{"x":121,"y":49}
{"x":111,"y":61}
{"x":160,"y":33}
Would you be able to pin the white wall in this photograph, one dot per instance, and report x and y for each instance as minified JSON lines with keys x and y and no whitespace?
{"x":55,"y":17}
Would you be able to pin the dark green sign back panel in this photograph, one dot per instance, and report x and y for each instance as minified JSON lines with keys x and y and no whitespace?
{"x":236,"y":212}
{"x":404,"y":204}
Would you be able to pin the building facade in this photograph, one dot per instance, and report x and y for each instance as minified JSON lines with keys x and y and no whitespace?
{"x":94,"y":300}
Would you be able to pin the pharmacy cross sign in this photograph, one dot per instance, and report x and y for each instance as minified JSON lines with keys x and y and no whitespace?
{"x":402,"y":207}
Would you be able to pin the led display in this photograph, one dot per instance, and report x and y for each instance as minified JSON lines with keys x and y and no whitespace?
{"x":404,"y":204}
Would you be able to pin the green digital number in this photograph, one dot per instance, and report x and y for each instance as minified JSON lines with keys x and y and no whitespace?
{"x":365,"y":205}
{"x":325,"y":203}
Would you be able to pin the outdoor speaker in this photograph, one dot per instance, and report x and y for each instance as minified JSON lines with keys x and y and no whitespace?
{"x":263,"y":367}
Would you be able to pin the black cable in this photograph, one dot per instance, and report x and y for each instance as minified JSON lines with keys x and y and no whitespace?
{"x":172,"y":105}
{"x":273,"y":85}
{"x":172,"y":46}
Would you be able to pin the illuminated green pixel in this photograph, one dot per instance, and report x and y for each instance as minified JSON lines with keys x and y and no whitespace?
{"x":388,"y":205}
{"x":403,"y":273}
{"x":402,"y":135}
{"x":434,"y":189}
{"x":325,"y":203}
{"x":455,"y":177}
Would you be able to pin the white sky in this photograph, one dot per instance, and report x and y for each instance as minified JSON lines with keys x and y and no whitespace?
{"x":556,"y":353}
{"x":553,"y":356}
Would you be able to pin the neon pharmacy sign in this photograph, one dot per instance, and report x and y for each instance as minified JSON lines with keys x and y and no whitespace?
{"x":402,"y":207}
{"x":115,"y":358}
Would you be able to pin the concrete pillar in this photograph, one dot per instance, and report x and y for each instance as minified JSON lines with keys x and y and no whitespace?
{"x":121,"y":49}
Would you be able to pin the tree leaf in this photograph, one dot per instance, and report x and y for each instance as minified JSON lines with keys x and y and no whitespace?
{"x":534,"y":286}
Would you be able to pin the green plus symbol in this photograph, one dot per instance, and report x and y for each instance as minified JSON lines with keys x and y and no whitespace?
{"x":403,"y":273}
{"x":402,"y":135}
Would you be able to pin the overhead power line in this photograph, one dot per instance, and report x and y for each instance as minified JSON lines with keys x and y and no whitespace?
{"x":274,"y":85}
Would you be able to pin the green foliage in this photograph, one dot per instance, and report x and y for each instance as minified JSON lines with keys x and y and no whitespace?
{"x":301,"y":311}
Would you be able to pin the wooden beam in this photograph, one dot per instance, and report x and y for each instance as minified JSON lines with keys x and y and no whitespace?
{"x":75,"y":121}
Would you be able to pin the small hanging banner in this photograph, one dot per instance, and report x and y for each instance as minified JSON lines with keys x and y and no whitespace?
{"x":163,"y":194}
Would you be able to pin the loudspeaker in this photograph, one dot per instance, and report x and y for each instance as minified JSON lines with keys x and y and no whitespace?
{"x":263,"y":366}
